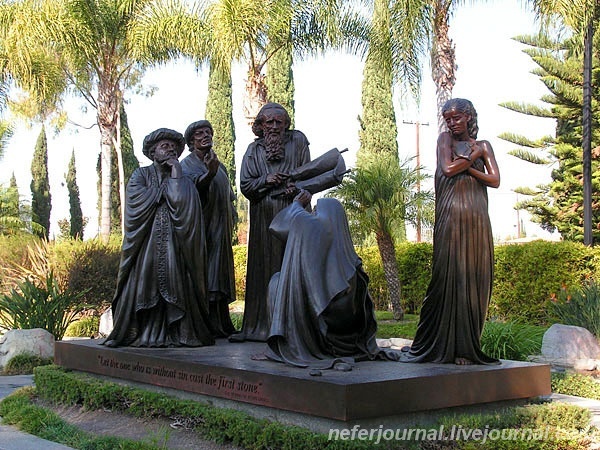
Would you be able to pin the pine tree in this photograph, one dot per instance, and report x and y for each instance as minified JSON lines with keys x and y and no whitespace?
{"x":558,"y":205}
{"x":40,"y":186}
{"x":11,"y":212}
{"x":219,"y":112}
{"x":76,"y":223}
{"x":11,"y":204}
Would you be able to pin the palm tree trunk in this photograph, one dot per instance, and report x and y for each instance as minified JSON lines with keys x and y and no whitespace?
{"x":121,"y":169}
{"x":256,"y":94}
{"x":443,"y":59}
{"x":387,"y":252}
{"x":107,"y":122}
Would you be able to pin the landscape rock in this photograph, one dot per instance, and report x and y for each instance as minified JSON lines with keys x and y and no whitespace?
{"x":569,"y":342}
{"x":399,"y":343}
{"x":106,"y":323}
{"x":384,"y":343}
{"x":586,"y":364}
{"x":36,"y":342}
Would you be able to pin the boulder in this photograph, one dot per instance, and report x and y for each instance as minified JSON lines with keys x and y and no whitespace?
{"x":36,"y":342}
{"x":106,"y":323}
{"x":570,"y":345}
{"x":400,"y":343}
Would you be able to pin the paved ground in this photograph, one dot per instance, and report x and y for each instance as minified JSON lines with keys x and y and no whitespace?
{"x":10,"y":437}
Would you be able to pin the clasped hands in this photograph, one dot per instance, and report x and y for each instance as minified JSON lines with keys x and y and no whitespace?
{"x":278,"y":178}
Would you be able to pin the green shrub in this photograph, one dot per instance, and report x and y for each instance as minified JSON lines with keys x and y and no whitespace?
{"x":510,"y":340}
{"x":240,"y":256}
{"x":91,"y":266}
{"x":237,"y":319}
{"x":570,"y":383}
{"x":24,"y":364}
{"x":579,"y":307}
{"x":526,"y":276}
{"x":414,"y":271}
{"x":414,"y":265}
{"x":46,"y":306}
{"x":13,"y":252}
{"x":84,"y":327}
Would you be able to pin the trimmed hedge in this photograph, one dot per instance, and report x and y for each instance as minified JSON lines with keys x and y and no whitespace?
{"x":414,"y":267}
{"x":526,"y":275}
{"x":60,"y":386}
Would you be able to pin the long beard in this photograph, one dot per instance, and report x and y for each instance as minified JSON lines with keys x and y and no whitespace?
{"x":274,"y":146}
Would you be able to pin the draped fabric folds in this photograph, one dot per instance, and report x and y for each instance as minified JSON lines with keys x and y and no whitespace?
{"x":218,"y":213}
{"x":456,"y":303}
{"x":265,"y":252}
{"x":160,"y":298}
{"x":321,"y":309}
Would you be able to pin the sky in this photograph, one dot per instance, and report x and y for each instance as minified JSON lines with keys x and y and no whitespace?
{"x":492,"y":68}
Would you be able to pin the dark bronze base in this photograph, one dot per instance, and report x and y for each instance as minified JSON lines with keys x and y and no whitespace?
{"x":372,"y":389}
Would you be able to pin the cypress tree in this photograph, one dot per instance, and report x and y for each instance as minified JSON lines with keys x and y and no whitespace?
{"x":76,"y":224}
{"x":40,"y":186}
{"x":280,"y":80}
{"x":11,"y":210}
{"x":12,"y":206}
{"x":378,"y":152}
{"x":219,"y":112}
{"x":378,"y":130}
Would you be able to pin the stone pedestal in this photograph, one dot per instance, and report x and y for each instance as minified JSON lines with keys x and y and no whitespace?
{"x":373,"y":389}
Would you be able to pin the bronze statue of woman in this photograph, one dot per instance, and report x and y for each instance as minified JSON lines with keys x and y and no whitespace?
{"x":456,"y":303}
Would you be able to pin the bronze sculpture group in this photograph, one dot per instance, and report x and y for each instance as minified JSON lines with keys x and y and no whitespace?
{"x":306,"y":292}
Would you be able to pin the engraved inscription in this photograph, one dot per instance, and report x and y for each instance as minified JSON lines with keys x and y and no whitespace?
{"x":221,"y":385}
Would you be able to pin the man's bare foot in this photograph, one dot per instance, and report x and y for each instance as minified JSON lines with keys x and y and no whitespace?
{"x":462,"y":362}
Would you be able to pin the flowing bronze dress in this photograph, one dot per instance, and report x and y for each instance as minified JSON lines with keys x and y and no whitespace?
{"x":456,"y":303}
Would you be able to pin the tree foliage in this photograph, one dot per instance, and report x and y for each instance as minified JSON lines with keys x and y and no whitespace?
{"x":219,"y":112}
{"x":40,"y":185}
{"x":379,"y":197}
{"x":11,"y":209}
{"x":76,"y":222}
{"x":558,"y":205}
{"x":280,"y":80}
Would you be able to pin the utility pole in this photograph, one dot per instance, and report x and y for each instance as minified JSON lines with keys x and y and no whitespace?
{"x":418,"y":158}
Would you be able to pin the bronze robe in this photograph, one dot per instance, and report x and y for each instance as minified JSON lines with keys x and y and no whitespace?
{"x":160,"y":298}
{"x":265,"y":252}
{"x":322,"y":310}
{"x":218,"y":212}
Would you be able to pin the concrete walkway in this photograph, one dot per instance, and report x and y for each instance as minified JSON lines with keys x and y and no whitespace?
{"x":10,"y":437}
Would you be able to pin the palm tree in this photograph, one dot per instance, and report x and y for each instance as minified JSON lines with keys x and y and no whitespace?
{"x":94,"y":45}
{"x":580,"y":16}
{"x":254,"y":31}
{"x":379,"y":198}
